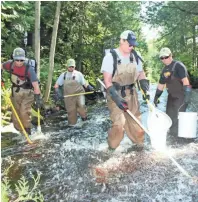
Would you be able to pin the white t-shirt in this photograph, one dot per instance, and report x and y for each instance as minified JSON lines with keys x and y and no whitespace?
{"x":78,"y":76}
{"x":107,"y":63}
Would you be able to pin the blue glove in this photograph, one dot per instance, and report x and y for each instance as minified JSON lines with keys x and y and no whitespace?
{"x":89,"y":88}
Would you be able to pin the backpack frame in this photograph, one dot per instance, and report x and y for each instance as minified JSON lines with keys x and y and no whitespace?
{"x":116,"y":61}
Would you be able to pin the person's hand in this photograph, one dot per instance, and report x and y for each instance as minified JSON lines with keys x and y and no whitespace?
{"x":187,"y":93}
{"x":146,"y":96}
{"x":89,"y":88}
{"x":156,"y":101}
{"x":2,"y":81}
{"x":157,"y":96}
{"x":120,"y":102}
{"x":38,"y":101}
{"x":57,"y":94}
{"x":144,"y":84}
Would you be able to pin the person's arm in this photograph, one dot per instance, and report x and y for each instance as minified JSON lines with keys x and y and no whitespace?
{"x":56,"y":85}
{"x":35,"y":85}
{"x":185,"y":81}
{"x":107,"y":69}
{"x":160,"y":86}
{"x":107,"y":79}
{"x":141,"y":75}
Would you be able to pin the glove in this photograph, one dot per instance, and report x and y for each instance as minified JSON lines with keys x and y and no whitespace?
{"x":57,"y":95}
{"x":187,"y":93}
{"x":38,"y":101}
{"x":89,"y":88}
{"x":157,"y":95}
{"x":2,"y":81}
{"x":144,"y":84}
{"x":120,"y":102}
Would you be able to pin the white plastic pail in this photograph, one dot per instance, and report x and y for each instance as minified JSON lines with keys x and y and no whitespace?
{"x":158,"y":124}
{"x":187,"y":126}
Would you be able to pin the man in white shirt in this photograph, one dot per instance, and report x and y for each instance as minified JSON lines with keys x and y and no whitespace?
{"x":73,"y":82}
{"x":121,"y":94}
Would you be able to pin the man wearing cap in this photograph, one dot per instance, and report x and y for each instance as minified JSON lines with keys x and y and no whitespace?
{"x":121,"y":93}
{"x":73,"y":82}
{"x":174,"y":75}
{"x":25,"y":88}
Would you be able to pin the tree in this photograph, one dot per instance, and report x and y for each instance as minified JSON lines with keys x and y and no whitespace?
{"x":52,"y":51}
{"x":37,"y":36}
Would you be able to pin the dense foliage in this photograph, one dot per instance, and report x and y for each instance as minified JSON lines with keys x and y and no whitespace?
{"x":87,"y":28}
{"x":178,"y":22}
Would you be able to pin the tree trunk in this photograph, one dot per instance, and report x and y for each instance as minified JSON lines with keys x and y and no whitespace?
{"x":52,"y":51}
{"x":194,"y":47}
{"x":37,"y":36}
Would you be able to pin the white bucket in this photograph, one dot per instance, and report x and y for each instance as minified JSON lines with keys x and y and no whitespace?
{"x":187,"y":126}
{"x":158,"y":124}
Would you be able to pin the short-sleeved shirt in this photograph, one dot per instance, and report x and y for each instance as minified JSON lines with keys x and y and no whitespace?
{"x":179,"y":72}
{"x":107,"y":63}
{"x":20,"y":71}
{"x":75,"y":75}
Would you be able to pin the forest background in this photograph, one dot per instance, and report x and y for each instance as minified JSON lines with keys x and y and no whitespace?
{"x":87,"y":28}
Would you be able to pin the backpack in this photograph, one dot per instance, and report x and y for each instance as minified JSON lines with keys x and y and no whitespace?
{"x":28,"y":63}
{"x":32,"y":63}
{"x":117,"y":61}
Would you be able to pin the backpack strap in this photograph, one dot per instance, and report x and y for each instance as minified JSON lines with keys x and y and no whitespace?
{"x":115,"y":61}
{"x":64,"y":75}
{"x":137,"y":57}
{"x":173,"y":69}
{"x":11,"y":70}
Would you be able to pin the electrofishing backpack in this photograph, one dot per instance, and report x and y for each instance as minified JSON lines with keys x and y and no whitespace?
{"x":28,"y":63}
{"x":117,"y":61}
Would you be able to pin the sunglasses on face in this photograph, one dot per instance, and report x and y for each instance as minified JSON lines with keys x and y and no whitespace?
{"x":166,"y":57}
{"x":71,"y":67}
{"x":19,"y":60}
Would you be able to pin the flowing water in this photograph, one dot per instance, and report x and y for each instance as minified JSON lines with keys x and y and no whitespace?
{"x":76,"y":166}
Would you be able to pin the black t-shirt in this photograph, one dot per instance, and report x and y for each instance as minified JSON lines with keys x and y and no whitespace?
{"x":179,"y":72}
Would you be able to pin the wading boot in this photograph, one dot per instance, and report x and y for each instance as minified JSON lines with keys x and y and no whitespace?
{"x":84,"y":119}
{"x":28,"y":131}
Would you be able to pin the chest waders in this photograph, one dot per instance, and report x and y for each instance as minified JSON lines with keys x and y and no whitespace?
{"x":22,"y":99}
{"x":76,"y":104}
{"x":175,"y":100}
{"x":124,"y":79}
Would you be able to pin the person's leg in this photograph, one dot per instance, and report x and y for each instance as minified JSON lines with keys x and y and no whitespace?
{"x":133,"y":130}
{"x":25,"y":109}
{"x":17,"y":101}
{"x":71,"y":107}
{"x":81,"y":108}
{"x":174,"y":105}
{"x":116,"y":132}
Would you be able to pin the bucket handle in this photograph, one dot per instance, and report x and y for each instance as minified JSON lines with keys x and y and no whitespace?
{"x":191,"y":104}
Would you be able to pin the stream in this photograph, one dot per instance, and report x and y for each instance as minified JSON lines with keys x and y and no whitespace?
{"x":76,"y":166}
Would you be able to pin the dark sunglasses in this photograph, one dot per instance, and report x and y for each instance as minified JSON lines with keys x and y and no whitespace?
{"x":19,"y":60}
{"x":71,"y":66}
{"x":166,"y":57}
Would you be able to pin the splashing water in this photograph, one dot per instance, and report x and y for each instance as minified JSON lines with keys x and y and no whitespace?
{"x":77,"y":166}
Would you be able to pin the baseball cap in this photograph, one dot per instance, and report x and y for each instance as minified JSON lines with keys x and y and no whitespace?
{"x":71,"y":62}
{"x":130,"y":37}
{"x":18,"y":54}
{"x":164,"y":52}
